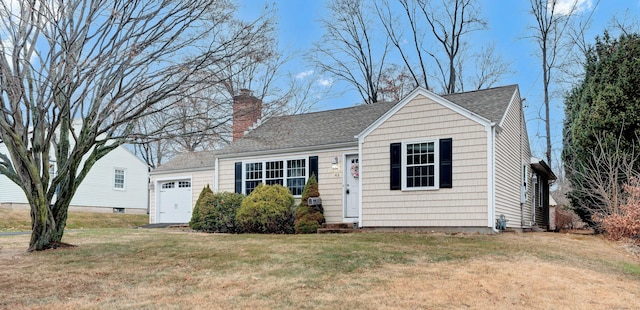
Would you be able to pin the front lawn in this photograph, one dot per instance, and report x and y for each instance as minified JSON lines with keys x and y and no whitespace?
{"x":164,"y":268}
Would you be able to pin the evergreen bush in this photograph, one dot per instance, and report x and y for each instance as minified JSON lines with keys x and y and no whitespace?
{"x":268,"y":209}
{"x":309,"y":218}
{"x":205,"y":198}
{"x":220,"y":216}
{"x":216,"y":212}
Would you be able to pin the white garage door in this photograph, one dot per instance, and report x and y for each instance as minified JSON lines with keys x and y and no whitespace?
{"x":174,"y":204}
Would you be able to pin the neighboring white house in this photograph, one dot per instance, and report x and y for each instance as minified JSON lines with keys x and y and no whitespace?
{"x":118,"y":182}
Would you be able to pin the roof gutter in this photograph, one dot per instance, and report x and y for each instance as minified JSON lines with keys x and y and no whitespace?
{"x":290,"y":150}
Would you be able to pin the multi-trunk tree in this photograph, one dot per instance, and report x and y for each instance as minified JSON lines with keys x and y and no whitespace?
{"x":76,"y":77}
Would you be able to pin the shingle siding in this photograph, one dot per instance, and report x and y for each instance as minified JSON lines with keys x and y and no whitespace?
{"x":463,"y":205}
{"x":512,"y":152}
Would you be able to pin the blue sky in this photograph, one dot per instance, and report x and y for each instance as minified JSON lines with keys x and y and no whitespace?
{"x":508,"y":23}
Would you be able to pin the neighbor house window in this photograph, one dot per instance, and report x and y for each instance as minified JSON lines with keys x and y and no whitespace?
{"x":288,"y":173}
{"x":118,"y":179}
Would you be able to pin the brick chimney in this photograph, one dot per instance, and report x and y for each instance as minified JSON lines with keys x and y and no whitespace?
{"x":247,"y":109}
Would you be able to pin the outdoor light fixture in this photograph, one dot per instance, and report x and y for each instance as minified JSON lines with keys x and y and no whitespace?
{"x":334,"y":163}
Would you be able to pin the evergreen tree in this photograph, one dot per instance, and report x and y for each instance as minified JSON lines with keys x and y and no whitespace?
{"x":602,"y":120}
{"x":309,"y":218}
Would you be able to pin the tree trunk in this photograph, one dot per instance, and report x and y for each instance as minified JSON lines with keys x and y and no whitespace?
{"x":44,"y":234}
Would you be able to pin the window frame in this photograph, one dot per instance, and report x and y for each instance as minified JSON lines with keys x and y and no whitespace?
{"x":285,"y":161}
{"x":124,"y":179}
{"x":436,"y":164}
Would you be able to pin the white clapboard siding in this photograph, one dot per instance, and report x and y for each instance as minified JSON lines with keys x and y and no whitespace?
{"x":97,"y":192}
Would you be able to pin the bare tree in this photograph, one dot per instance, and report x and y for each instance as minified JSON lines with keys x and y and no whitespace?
{"x":603,"y":176}
{"x":457,"y":19}
{"x":489,"y":68}
{"x":396,"y":83}
{"x":348,"y":49}
{"x":439,"y":48}
{"x":77,"y":75}
{"x":211,"y":107}
{"x":548,"y":33}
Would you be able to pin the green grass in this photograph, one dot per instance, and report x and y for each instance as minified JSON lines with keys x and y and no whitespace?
{"x":19,"y":220}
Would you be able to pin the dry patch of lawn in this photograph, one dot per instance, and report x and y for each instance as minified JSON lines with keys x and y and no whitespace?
{"x":122,"y":268}
{"x":20,"y":220}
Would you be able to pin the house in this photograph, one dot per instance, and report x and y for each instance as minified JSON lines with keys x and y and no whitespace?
{"x":118,"y":182}
{"x":454,"y":162}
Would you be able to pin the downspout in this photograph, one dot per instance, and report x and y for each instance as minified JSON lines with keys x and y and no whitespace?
{"x":491,"y":176}
{"x":523,"y":177}
{"x":360,"y":142}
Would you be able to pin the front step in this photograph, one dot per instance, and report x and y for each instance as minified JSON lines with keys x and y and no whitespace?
{"x":336,"y":228}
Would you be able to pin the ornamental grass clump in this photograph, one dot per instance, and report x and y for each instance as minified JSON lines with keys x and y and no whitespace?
{"x":268,"y":209}
{"x":309,"y":218}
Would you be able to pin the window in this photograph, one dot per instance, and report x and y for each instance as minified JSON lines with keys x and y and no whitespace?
{"x":296,"y":176}
{"x":422,"y":164}
{"x":184,"y":184}
{"x":118,"y":179}
{"x":288,"y":173}
{"x":169,"y":185}
{"x":253,"y":176}
{"x":274,"y":173}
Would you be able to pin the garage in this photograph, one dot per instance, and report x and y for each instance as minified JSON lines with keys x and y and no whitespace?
{"x":174,"y":201}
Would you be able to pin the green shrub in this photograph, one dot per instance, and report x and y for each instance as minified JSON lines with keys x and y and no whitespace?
{"x":268,"y":209}
{"x":205,"y":198}
{"x":220,"y":216}
{"x":309,"y":218}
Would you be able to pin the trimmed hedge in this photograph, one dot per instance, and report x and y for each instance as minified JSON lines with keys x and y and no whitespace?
{"x":268,"y":209}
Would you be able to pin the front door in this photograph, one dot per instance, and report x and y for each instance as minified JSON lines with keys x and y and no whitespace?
{"x":352,"y":186}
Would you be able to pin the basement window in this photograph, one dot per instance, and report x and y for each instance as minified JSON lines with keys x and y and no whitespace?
{"x":118,"y":210}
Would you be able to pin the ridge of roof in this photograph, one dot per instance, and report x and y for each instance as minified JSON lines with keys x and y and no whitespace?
{"x":188,"y":160}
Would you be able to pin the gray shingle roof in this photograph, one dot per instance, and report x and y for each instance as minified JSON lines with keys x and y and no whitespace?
{"x":188,"y":160}
{"x":489,"y":103}
{"x":311,"y":129}
{"x":342,"y":125}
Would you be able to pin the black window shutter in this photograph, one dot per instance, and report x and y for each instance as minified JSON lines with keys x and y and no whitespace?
{"x":313,"y":166}
{"x":238,"y":188}
{"x":446,"y":159}
{"x":396,"y":166}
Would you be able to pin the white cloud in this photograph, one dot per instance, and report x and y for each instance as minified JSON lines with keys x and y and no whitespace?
{"x":304,"y":74}
{"x":325,"y":82}
{"x":565,"y":7}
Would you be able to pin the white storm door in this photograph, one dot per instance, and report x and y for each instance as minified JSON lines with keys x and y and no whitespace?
{"x":352,"y":186}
